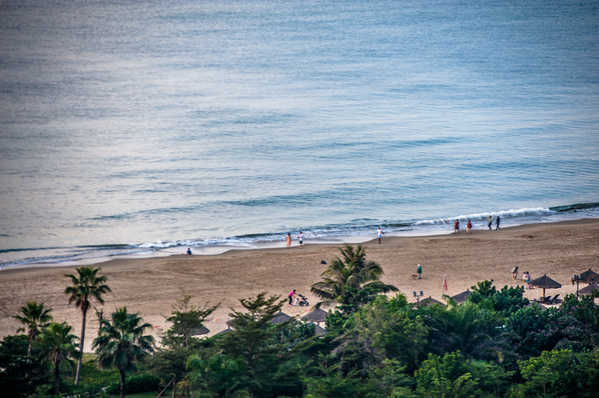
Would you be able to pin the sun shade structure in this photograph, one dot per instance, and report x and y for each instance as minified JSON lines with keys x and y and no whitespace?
{"x":461,"y":297}
{"x":280,"y":317}
{"x":593,"y":287}
{"x":318,"y":331}
{"x":317,"y":315}
{"x":227,"y":330}
{"x":585,"y":277}
{"x":430,"y":301}
{"x":200,"y":331}
{"x":545,"y":282}
{"x":589,"y":277}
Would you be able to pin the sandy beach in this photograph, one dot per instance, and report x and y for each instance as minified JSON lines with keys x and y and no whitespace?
{"x":151,"y":286}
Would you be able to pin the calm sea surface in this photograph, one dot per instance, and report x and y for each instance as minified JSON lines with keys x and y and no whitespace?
{"x":150,"y":126}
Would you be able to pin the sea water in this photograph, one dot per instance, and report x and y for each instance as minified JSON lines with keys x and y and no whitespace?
{"x":146,"y":127}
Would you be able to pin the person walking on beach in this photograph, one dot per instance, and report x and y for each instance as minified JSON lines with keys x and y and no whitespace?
{"x":301,"y":239}
{"x":515,"y":273}
{"x":490,"y":223}
{"x":456,"y":227}
{"x":291,"y":295}
{"x":468,"y":227}
{"x":379,"y":234}
{"x":497,"y":220}
{"x":419,"y":271}
{"x":288,"y":240}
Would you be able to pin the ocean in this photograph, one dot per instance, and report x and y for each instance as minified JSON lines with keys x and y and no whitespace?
{"x":142,"y":128}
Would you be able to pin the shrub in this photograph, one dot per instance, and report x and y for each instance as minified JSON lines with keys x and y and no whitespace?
{"x":135,"y":384}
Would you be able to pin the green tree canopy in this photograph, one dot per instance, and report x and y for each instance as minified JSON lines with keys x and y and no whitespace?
{"x":33,"y":317}
{"x":270,"y":353}
{"x":187,"y":319}
{"x":351,"y":280}
{"x":57,"y":347}
{"x":122,"y":342}
{"x":86,"y":285}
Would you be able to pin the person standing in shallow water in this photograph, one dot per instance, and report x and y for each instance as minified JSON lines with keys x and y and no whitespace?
{"x":456,"y":227}
{"x":288,"y":240}
{"x":468,"y":227}
{"x":490,"y":223}
{"x":497,"y":223}
{"x":301,"y":239}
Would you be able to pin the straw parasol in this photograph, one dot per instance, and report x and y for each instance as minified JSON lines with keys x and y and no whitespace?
{"x":589,"y":277}
{"x":461,"y":297}
{"x":227,"y":330}
{"x":200,"y":331}
{"x":319,"y":331}
{"x":585,"y":277}
{"x":317,"y":315}
{"x":545,"y":282}
{"x":280,"y":317}
{"x":593,"y":287}
{"x":430,"y":301}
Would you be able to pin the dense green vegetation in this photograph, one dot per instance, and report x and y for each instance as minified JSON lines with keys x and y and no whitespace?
{"x":496,"y":344}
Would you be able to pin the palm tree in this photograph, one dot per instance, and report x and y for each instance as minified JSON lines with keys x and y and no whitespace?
{"x":34,"y":317}
{"x":86,"y":285}
{"x":57,"y":346}
{"x":348,"y":279}
{"x":121,"y":342}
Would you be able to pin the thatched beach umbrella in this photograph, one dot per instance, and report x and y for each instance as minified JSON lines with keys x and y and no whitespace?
{"x":227,"y":330}
{"x":589,"y":277}
{"x":280,"y":317}
{"x":461,"y":297}
{"x":317,"y":315}
{"x":319,"y":331}
{"x":430,"y":301}
{"x":545,"y":282}
{"x":593,"y":287}
{"x":200,"y":331}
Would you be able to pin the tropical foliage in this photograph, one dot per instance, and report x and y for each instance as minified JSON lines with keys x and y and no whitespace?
{"x":122,"y":342}
{"x":351,"y":280}
{"x":57,"y":348}
{"x":86,"y":285}
{"x":376,"y":346}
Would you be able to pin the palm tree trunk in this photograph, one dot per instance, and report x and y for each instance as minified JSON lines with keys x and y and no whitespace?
{"x":78,"y":376}
{"x":57,"y":378}
{"x":122,"y":372}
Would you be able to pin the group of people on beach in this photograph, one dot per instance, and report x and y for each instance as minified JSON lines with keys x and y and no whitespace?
{"x":525,"y":276}
{"x":300,"y":239}
{"x":456,"y":225}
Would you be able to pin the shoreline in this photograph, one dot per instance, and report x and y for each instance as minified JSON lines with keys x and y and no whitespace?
{"x":152,"y":285}
{"x":219,"y":249}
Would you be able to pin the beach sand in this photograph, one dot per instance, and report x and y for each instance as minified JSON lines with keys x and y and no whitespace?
{"x":150,"y":286}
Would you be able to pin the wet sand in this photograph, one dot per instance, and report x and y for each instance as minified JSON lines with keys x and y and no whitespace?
{"x":151,"y":286}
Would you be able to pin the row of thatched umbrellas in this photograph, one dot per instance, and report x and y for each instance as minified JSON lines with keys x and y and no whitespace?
{"x":317,"y":315}
{"x":589,"y":277}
